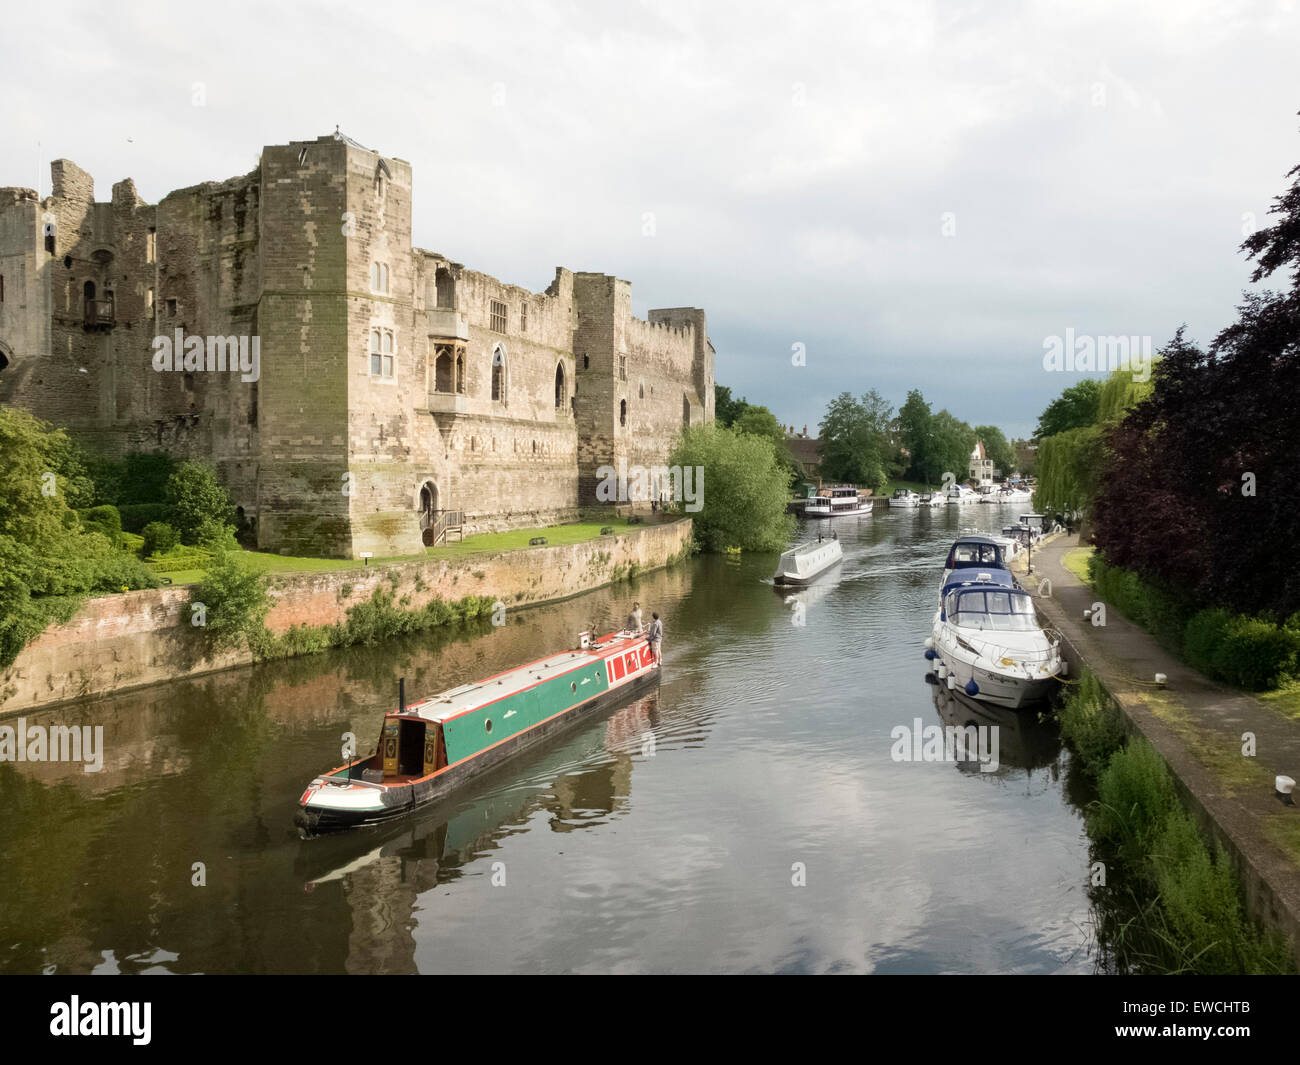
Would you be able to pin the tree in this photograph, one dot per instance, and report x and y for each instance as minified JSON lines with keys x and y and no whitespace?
{"x":1198,"y":492}
{"x":47,"y":563}
{"x":742,"y":489}
{"x":761,"y":422}
{"x":916,"y":429}
{"x":855,"y":440}
{"x":1074,"y":408}
{"x":951,"y":442}
{"x":201,"y":508}
{"x":997,"y":449}
{"x":726,"y":409}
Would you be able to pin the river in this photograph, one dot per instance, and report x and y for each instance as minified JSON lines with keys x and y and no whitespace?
{"x":746,"y":817}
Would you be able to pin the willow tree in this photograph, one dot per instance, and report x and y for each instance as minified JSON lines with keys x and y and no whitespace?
{"x":1069,"y":465}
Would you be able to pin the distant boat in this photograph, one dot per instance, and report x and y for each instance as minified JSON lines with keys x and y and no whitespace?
{"x":904,"y":497}
{"x":842,"y":500}
{"x":932,"y":499}
{"x":961,"y":494}
{"x":802,"y":563}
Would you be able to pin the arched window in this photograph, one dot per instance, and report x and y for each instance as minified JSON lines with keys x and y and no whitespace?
{"x":622,"y":412}
{"x":460,"y":372}
{"x":442,"y":372}
{"x":559,"y":386}
{"x":88,"y":290}
{"x":686,"y":410}
{"x":586,"y":362}
{"x":499,"y":374}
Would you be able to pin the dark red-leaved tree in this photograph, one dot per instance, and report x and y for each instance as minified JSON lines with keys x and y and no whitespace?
{"x":1201,"y":490}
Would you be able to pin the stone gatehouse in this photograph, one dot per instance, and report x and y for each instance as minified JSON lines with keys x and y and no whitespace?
{"x":347,"y":386}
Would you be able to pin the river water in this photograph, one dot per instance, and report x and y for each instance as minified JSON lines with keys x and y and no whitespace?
{"x":746,"y":817}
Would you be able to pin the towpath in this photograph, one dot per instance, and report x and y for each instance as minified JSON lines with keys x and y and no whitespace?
{"x":1201,"y":728}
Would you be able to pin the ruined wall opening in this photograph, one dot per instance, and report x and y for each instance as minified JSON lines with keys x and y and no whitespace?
{"x":559,"y":387}
{"x":622,"y":412}
{"x":686,"y":411}
{"x":444,"y":287}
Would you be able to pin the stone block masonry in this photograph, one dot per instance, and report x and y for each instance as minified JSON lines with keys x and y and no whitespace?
{"x":394,"y":383}
{"x":145,"y":637}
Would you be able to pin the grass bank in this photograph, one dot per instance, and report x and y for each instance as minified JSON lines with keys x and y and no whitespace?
{"x":1168,"y":903}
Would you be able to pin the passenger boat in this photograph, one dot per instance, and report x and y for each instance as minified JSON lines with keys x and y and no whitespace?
{"x":802,"y":563}
{"x":835,"y":502}
{"x":904,"y":497}
{"x":430,"y":748}
{"x":985,"y":638}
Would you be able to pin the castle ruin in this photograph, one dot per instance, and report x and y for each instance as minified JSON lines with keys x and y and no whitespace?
{"x":349,"y":388}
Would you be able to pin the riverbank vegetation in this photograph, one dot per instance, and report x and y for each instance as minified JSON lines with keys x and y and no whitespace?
{"x":743,"y":489}
{"x":56,"y":548}
{"x":1167,"y":902}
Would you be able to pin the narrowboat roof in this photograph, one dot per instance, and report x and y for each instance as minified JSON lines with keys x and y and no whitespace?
{"x":456,"y":701}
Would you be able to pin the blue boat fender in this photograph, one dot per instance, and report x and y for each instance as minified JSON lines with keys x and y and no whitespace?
{"x":931,"y":653}
{"x":972,"y":688}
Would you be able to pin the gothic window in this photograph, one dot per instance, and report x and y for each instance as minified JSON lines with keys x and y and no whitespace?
{"x":378,"y":277}
{"x":559,"y":386}
{"x":498,"y":374}
{"x":382,"y":354}
{"x":442,"y":375}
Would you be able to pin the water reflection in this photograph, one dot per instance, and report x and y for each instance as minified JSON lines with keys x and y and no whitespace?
{"x":661,"y":837}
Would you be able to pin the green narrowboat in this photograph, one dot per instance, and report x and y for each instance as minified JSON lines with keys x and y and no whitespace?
{"x":430,"y":748}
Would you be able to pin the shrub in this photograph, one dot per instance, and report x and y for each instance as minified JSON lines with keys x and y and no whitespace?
{"x":181,"y":557}
{"x":200,"y":504}
{"x":131,"y":544}
{"x":159,"y":537}
{"x":135,"y":516}
{"x":1204,"y":637}
{"x":1256,"y":654}
{"x":104,"y":520}
{"x":236,"y":602}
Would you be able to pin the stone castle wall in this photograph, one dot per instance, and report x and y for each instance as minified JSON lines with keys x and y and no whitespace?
{"x":324,"y":454}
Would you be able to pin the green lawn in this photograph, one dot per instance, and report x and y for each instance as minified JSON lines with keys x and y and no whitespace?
{"x":1285,"y":700}
{"x":1076,"y":561}
{"x":485,"y":543}
{"x":915,"y":486}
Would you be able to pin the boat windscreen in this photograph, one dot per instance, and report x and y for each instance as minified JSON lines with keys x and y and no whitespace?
{"x":974,"y":554}
{"x":1000,"y":610}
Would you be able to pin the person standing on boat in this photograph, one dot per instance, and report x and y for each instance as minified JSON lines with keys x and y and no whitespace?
{"x":634,"y":619}
{"x":656,"y":638}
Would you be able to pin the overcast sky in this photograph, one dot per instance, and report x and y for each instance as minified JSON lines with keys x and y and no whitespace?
{"x":797,"y":162}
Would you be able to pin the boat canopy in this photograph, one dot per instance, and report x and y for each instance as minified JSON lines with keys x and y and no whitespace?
{"x":997,"y":578}
{"x":975,"y":551}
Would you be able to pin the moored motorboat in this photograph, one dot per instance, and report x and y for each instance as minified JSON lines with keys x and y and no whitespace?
{"x":805,"y":561}
{"x":986,"y":640}
{"x":933,"y":499}
{"x":961,"y":495}
{"x":429,"y":748}
{"x":904,"y":497}
{"x":985,"y":637}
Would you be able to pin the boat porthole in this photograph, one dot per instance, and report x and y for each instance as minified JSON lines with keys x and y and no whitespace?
{"x":573,"y":686}
{"x":487,"y":725}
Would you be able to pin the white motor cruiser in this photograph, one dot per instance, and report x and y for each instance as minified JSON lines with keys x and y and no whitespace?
{"x":904,"y":497}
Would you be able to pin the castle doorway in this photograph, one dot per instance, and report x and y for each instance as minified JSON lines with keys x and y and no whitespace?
{"x":428,"y":504}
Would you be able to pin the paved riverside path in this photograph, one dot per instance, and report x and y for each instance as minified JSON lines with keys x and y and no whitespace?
{"x":1197,"y":726}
